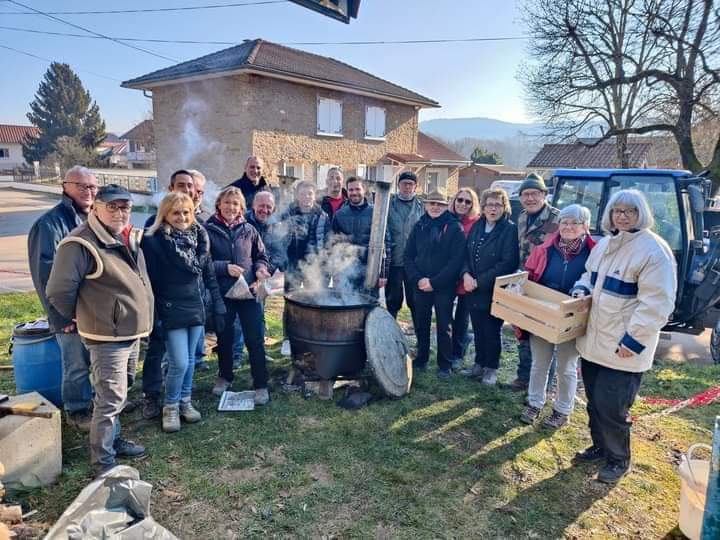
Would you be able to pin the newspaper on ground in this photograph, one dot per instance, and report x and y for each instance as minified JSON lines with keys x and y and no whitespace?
{"x":237,"y":401}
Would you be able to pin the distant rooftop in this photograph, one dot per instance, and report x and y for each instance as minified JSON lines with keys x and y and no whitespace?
{"x":14,"y":134}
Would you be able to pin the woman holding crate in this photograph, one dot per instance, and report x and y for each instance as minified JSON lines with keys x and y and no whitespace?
{"x":557,"y":263}
{"x":492,"y":250}
{"x":631,"y":276}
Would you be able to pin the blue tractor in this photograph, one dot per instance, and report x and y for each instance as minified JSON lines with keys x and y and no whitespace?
{"x":690,"y":226}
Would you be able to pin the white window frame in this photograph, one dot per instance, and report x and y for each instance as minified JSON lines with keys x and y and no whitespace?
{"x":6,"y":152}
{"x":333,"y":109}
{"x":299,"y":168}
{"x":374,"y":115}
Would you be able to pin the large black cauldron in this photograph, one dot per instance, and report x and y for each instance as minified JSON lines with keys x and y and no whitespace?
{"x":326,"y":330}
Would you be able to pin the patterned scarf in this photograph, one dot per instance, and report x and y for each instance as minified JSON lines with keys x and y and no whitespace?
{"x":569,"y":248}
{"x":187,"y":249}
{"x":230,"y":224}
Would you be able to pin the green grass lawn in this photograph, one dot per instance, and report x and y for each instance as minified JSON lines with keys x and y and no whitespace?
{"x":451,"y":460}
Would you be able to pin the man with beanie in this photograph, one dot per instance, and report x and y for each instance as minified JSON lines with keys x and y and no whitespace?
{"x":536,"y":221}
{"x":404,"y":212}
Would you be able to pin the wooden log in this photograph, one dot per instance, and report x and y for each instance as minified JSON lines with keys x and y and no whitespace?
{"x":11,"y":514}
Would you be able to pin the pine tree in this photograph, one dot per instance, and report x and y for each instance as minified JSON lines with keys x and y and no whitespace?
{"x":62,"y":108}
{"x":480,"y":155}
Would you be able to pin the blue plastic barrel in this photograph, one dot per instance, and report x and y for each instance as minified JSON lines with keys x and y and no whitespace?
{"x":36,"y":361}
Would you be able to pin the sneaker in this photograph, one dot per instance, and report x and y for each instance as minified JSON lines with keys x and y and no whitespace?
{"x":188,"y":413}
{"x":262,"y":396}
{"x":171,"y":418}
{"x":79,"y":420}
{"x":611,"y":473}
{"x":589,"y":455}
{"x":529,"y":415}
{"x":220,"y":386}
{"x":127,"y":448}
{"x":285,"y":350}
{"x":151,"y":408}
{"x":473,"y":372}
{"x":555,"y":420}
{"x":443,"y":374}
{"x":519,"y":385}
{"x":489,"y":376}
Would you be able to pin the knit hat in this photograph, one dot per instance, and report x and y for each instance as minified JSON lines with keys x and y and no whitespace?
{"x":533,"y":181}
{"x":407,"y":175}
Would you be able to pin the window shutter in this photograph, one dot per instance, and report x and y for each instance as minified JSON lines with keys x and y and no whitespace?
{"x":369,"y":122}
{"x":380,"y":122}
{"x":336,"y":125}
{"x":361,"y":170}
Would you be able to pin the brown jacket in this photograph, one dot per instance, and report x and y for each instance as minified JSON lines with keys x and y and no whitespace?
{"x":534,"y":235}
{"x":102,"y":284}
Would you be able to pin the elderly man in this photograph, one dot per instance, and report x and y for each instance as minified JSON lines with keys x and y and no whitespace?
{"x":405,"y":211}
{"x":79,"y":189}
{"x":536,"y":221}
{"x":99,"y":280}
{"x":252,"y":181}
{"x":199,"y":182}
{"x":262,"y":217}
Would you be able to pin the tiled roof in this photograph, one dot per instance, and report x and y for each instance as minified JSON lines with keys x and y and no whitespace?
{"x":17,"y":134}
{"x":581,"y":156}
{"x":142,"y":131}
{"x":434,"y":150}
{"x":500,"y":169}
{"x":406,"y":158}
{"x":271,"y":58}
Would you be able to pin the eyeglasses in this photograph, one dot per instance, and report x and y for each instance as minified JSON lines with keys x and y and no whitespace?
{"x":531,"y":194}
{"x":115,"y":208}
{"x":84,"y":188}
{"x":494,"y":205}
{"x":571,"y":223}
{"x":627,"y":212}
{"x":463,"y":201}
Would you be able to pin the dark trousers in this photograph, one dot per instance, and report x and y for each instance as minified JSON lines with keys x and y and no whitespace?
{"x":398,"y":288}
{"x":488,"y":339}
{"x":460,"y":327}
{"x":610,"y":393}
{"x":525,"y":360}
{"x":424,"y":303}
{"x":252,"y":321}
{"x":152,"y":377}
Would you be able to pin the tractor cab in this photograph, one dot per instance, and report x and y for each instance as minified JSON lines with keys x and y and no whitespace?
{"x":677,"y":200}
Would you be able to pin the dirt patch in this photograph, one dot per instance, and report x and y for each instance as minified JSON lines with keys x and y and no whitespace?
{"x":320,"y":473}
{"x":239,"y":476}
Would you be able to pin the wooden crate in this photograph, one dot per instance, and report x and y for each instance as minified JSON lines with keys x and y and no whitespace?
{"x":544,"y":312}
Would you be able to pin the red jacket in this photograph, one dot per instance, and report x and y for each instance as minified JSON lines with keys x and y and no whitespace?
{"x":537,"y":261}
{"x":467,"y":224}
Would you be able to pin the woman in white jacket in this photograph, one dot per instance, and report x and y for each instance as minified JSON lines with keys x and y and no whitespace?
{"x":631,"y":276}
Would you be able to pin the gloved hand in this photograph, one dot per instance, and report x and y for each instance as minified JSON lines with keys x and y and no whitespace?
{"x":219,"y":320}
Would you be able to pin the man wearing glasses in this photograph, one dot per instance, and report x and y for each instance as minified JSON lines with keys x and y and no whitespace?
{"x":536,"y":221}
{"x":99,"y":280}
{"x":79,"y":190}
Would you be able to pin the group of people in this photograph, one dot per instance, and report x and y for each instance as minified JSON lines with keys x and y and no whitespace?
{"x":106,"y":285}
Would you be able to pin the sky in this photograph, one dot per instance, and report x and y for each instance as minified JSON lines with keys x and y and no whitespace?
{"x":468,"y":79}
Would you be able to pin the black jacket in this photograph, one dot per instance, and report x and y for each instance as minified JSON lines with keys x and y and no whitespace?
{"x":241,"y":245}
{"x":435,"y":249}
{"x":182,"y":298}
{"x":249,"y":189}
{"x":325,"y":203}
{"x":352,"y":224}
{"x":497,"y":255}
{"x":274,"y":236}
{"x":306,"y":232}
{"x":43,"y":239}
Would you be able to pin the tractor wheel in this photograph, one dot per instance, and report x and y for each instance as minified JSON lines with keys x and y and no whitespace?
{"x":715,"y":343}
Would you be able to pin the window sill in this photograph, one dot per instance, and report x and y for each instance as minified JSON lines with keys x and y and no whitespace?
{"x":335,"y":135}
{"x":367,"y":138}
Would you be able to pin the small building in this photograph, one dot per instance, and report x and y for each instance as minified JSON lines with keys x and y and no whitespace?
{"x":480,"y":176}
{"x":139,"y":150}
{"x":301,"y":112}
{"x":12,"y":138}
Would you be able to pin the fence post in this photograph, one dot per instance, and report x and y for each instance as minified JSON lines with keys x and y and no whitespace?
{"x":711,"y":517}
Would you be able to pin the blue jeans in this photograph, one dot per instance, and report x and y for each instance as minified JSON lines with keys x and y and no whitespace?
{"x":110,"y":363}
{"x":238,"y":344}
{"x":181,"y":345}
{"x":77,"y":392}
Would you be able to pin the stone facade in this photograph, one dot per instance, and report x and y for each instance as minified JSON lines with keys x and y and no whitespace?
{"x":214,"y":124}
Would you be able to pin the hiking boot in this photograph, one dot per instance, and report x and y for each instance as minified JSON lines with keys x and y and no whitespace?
{"x":79,"y":420}
{"x":151,"y":407}
{"x":285,"y":350}
{"x":589,"y":455}
{"x":262,"y":396}
{"x":127,"y":448}
{"x":473,"y":372}
{"x":529,"y":415}
{"x":611,"y":473}
{"x":489,"y":376}
{"x":555,"y":421}
{"x":171,"y":418}
{"x":221,"y":385}
{"x":188,"y":413}
{"x":443,"y":374}
{"x":519,"y":385}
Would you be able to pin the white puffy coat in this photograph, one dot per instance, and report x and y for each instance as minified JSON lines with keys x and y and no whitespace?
{"x":632,"y":278}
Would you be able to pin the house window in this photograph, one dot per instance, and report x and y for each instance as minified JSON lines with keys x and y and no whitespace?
{"x":329,"y":117}
{"x":432,"y":182}
{"x":4,"y":153}
{"x":374,"y":123}
{"x":371,"y":173}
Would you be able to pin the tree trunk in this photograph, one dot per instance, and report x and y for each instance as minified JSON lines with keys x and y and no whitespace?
{"x":621,"y":147}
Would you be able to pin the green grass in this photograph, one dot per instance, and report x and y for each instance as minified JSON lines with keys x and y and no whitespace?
{"x":449,"y":460}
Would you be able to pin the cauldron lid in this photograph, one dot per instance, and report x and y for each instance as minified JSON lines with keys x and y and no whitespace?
{"x":387,"y":353}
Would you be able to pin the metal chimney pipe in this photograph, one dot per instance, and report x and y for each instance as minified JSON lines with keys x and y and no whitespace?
{"x":376,"y":248}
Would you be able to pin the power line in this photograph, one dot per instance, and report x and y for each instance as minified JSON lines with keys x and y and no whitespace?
{"x":194,"y":42}
{"x":38,"y":12}
{"x":51,"y":61}
{"x":148,"y":10}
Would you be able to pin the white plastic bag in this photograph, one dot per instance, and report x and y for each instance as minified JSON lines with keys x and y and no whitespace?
{"x":240,"y":291}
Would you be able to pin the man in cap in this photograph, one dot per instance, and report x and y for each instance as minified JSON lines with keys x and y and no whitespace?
{"x":404,"y":212}
{"x":99,"y":280}
{"x":79,"y":189}
{"x":536,"y":221}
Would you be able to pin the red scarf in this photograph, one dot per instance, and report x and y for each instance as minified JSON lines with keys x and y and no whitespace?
{"x":569,"y":248}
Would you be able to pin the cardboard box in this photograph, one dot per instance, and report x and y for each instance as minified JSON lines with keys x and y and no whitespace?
{"x":544,"y":312}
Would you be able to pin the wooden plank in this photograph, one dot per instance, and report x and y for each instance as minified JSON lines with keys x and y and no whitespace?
{"x":549,"y":333}
{"x":525,"y":303}
{"x":518,"y":277}
{"x":535,"y":290}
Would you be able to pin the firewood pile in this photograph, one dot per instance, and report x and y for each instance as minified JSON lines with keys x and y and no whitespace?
{"x":12,"y":525}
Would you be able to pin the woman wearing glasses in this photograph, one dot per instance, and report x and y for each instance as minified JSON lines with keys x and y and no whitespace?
{"x":492,"y":250}
{"x":466,"y":208}
{"x":631,"y":277}
{"x":557,"y":263}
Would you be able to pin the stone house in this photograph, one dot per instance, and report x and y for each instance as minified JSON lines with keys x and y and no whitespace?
{"x":301,"y":112}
